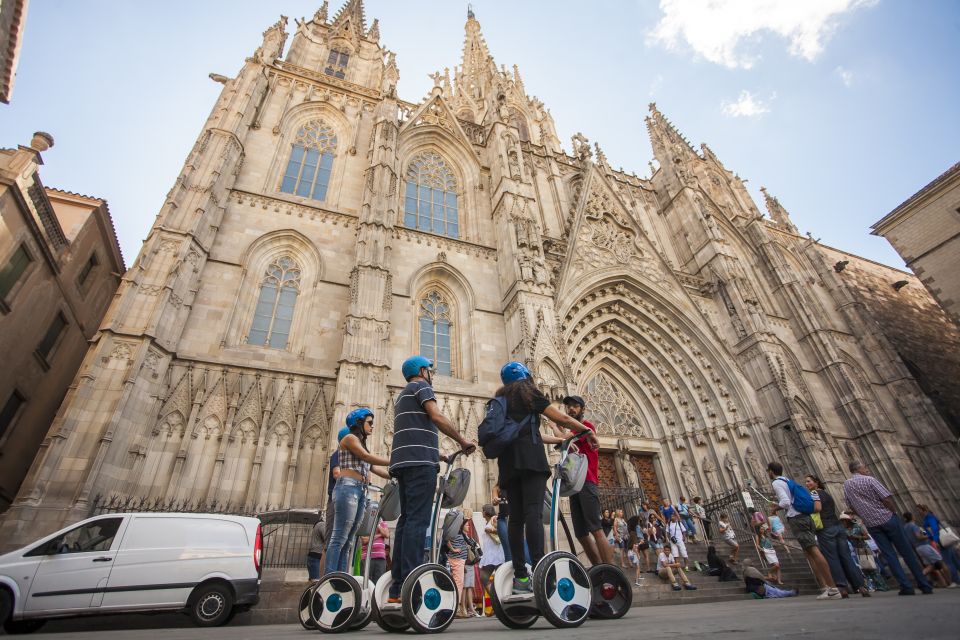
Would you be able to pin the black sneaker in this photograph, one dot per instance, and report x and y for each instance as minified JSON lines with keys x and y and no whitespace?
{"x":676,"y":587}
{"x":690,"y":587}
{"x":907,"y":592}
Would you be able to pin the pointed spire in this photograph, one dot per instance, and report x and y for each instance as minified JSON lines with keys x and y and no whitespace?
{"x":352,"y":13}
{"x":777,"y":212}
{"x":658,"y":125}
{"x":477,"y":64}
{"x":322,"y":13}
{"x":374,"y":33}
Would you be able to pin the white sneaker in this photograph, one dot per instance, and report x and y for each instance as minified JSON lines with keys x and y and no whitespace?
{"x":830,"y":594}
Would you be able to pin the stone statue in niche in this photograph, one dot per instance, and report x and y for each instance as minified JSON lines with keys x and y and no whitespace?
{"x":540,"y":273}
{"x":629,"y":471}
{"x":689,"y":478}
{"x":753,"y":464}
{"x":526,"y":267}
{"x":710,"y":472}
{"x":733,"y":467}
{"x":513,"y":161}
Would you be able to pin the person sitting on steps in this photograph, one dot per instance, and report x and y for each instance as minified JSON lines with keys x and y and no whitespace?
{"x":669,"y":569}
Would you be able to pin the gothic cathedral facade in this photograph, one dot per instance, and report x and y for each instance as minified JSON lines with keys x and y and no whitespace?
{"x":322,"y":229}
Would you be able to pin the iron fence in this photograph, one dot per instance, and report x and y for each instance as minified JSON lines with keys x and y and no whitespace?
{"x":626,"y":498}
{"x":286,"y":532}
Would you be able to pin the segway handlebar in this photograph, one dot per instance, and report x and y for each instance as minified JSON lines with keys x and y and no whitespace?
{"x":450,"y":459}
{"x":569,"y":441}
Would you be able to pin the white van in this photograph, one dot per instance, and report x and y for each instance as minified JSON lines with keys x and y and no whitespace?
{"x":203,"y":563}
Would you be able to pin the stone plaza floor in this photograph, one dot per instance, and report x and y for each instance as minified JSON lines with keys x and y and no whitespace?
{"x":885,"y":615}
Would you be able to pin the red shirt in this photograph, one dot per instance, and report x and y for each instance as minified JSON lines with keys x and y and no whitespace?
{"x":593,"y":455}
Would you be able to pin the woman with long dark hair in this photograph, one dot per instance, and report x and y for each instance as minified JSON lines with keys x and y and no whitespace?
{"x":524,"y":468}
{"x":349,"y":495}
{"x":832,"y":541}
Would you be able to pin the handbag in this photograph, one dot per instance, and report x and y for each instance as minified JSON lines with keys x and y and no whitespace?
{"x":866,"y":560}
{"x":948,"y":538}
{"x":817,"y":521}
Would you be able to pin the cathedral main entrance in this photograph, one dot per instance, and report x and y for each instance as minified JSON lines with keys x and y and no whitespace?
{"x":618,"y":493}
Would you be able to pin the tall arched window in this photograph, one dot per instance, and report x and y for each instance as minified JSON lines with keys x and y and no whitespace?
{"x":518,"y":120}
{"x":311,"y":159}
{"x":278,"y":297}
{"x":436,"y":329}
{"x":431,"y":197}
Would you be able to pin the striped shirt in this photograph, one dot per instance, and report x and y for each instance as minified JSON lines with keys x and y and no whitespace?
{"x":415,"y":437}
{"x":865,"y":494}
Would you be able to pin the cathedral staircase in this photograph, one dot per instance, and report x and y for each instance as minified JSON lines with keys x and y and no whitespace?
{"x":654,"y":592}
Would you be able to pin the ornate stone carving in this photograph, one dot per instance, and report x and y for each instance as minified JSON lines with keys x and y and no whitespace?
{"x":614,"y":413}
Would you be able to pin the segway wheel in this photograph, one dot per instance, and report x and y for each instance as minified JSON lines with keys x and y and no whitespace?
{"x":303,"y":610}
{"x":429,"y":599}
{"x":561,"y":587}
{"x":612,"y":592}
{"x":511,"y":621}
{"x":335,"y":602}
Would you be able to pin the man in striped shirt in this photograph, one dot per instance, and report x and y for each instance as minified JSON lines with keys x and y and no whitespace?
{"x":873,"y":502}
{"x":414,"y":462}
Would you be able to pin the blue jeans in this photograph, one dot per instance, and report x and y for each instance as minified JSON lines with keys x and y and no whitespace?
{"x":505,"y":542}
{"x":770,"y":591}
{"x":890,"y":538}
{"x":688,"y":523}
{"x":834,"y":547}
{"x":952,"y":559}
{"x":313,"y":568}
{"x":418,"y":486}
{"x":348,"y":503}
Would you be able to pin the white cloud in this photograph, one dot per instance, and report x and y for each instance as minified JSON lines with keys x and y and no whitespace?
{"x":748,"y":105}
{"x":846,"y":76}
{"x":715,"y":28}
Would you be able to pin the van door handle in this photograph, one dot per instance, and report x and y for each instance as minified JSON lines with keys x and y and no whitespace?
{"x":102,"y":559}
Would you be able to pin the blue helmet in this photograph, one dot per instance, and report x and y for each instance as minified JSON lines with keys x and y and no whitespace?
{"x":344,"y":431}
{"x":357,"y":416}
{"x":513,"y":371}
{"x":412,"y":365}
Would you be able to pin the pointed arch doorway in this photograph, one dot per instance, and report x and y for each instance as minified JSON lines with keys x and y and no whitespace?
{"x":628,"y":466}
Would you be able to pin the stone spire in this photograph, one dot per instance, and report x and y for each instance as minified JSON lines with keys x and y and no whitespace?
{"x":351,"y":17}
{"x":664,"y":136}
{"x":477,"y":67}
{"x":777,"y":213}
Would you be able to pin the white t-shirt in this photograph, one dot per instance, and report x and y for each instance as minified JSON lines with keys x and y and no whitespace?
{"x":663,"y":559}
{"x":727,"y":531}
{"x":676,"y":529}
{"x":492,"y":552}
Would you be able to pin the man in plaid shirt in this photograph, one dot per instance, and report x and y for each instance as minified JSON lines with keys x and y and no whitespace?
{"x":872,"y":502}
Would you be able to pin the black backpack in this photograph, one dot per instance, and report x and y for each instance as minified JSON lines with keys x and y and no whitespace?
{"x":498,"y":430}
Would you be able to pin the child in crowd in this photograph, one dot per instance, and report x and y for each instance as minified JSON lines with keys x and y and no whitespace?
{"x":777,"y":529}
{"x":766,"y":546}
{"x":729,"y":537}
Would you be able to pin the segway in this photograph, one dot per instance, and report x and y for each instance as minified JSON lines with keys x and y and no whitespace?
{"x":612,"y":593}
{"x":340,"y":601}
{"x":561,"y":585}
{"x":428,"y":597}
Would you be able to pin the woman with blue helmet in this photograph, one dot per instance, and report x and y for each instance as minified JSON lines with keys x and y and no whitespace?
{"x":349,"y":494}
{"x":524,"y":469}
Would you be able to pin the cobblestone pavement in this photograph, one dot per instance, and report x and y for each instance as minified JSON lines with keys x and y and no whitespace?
{"x":885,"y":615}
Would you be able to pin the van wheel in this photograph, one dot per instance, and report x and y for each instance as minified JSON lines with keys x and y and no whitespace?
{"x":211,"y":605}
{"x":17,"y":627}
{"x":6,"y":605}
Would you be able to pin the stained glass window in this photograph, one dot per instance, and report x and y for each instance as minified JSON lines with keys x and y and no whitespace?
{"x":311,"y":160}
{"x":436,"y":330}
{"x":430,"y":203}
{"x":278,"y":297}
{"x":337,"y":63}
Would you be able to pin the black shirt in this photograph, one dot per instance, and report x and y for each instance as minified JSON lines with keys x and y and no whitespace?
{"x":828,"y":509}
{"x":331,"y":481}
{"x":525,"y":455}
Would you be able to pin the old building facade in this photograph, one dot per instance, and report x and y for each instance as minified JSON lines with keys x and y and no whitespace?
{"x":60,"y":265}
{"x":322,"y":230}
{"x":925,"y":231}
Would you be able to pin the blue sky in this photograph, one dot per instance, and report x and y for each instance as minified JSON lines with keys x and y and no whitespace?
{"x":841,"y":108}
